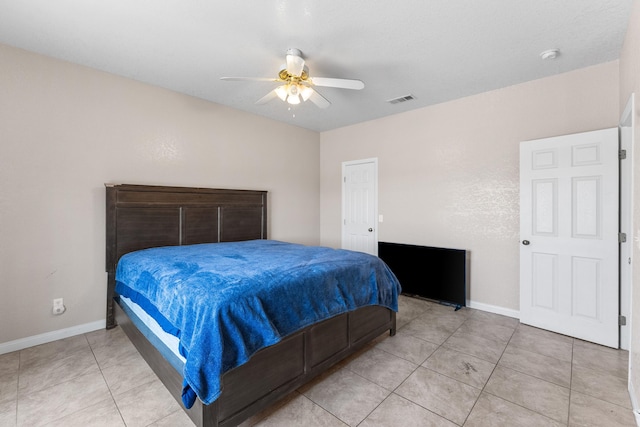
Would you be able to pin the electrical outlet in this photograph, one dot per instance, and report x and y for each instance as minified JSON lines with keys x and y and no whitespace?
{"x":58,"y":306}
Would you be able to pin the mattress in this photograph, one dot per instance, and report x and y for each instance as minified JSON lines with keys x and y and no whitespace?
{"x":167,"y":344}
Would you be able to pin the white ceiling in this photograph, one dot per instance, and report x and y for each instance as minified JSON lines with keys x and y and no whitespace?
{"x":435,"y":50}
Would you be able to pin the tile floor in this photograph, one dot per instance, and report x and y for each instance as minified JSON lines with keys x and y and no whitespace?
{"x":443,"y":368}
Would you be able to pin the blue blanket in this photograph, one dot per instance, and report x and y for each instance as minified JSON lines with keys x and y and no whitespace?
{"x":225,"y":301}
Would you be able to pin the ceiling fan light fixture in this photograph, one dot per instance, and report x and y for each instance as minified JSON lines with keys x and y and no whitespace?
{"x":293,"y":90}
{"x":306,"y":92}
{"x":281,"y":91}
{"x":293,"y":99}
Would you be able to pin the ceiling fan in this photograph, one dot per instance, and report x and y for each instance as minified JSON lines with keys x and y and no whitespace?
{"x":297,"y":85}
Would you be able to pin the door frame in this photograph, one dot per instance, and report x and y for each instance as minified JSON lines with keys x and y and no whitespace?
{"x":346,"y":164}
{"x":626,"y":206}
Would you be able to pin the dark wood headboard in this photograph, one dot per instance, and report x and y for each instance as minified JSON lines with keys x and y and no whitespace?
{"x":142,"y":216}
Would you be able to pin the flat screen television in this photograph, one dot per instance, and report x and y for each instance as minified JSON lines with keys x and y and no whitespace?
{"x":434,"y":273}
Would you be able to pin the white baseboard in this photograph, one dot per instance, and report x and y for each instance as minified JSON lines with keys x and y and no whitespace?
{"x":27,"y":342}
{"x":493,"y":309}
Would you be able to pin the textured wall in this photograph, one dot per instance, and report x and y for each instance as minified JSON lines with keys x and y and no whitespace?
{"x":65,"y":130}
{"x":448,"y":174}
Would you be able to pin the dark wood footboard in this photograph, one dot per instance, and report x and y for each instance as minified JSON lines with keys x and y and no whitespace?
{"x":275,"y":371}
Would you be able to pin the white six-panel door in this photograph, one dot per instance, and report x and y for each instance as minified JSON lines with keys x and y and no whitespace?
{"x":569,"y":235}
{"x":360,"y":206}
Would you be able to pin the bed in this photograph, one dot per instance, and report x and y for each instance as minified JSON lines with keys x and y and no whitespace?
{"x":143,"y":217}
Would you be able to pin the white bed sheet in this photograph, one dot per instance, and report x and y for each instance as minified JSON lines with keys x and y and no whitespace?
{"x":169,"y":340}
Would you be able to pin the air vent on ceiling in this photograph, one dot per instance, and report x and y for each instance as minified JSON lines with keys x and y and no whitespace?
{"x":401,"y":99}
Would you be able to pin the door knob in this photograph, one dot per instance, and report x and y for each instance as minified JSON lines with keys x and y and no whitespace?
{"x":370,"y":230}
{"x":525,"y":242}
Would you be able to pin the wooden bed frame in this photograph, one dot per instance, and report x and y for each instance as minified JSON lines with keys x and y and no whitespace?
{"x":140,"y":217}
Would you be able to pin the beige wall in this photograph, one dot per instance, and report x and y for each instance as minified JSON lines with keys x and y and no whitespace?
{"x":630,"y":83}
{"x":448,"y":174}
{"x":65,"y":130}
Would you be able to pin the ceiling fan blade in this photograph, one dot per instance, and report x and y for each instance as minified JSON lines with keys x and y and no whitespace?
{"x":319,"y":100}
{"x":295,"y":65}
{"x":268,"y":97}
{"x":339,"y":83}
{"x":249,"y":79}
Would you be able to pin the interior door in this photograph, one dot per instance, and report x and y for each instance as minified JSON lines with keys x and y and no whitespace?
{"x":569,"y":235}
{"x":360,"y":205}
